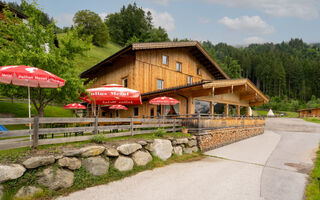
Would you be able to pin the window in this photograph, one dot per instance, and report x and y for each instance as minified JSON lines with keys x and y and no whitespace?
{"x":159,"y":84}
{"x":136,"y":111}
{"x":189,"y":79}
{"x":117,"y":113}
{"x":165,"y":60}
{"x":178,"y":66}
{"x":158,"y":110}
{"x":202,"y":106}
{"x":198,"y":71}
{"x":125,"y":82}
{"x":152,"y":112}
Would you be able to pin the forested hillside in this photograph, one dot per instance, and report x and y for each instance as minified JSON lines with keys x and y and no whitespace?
{"x":290,"y":69}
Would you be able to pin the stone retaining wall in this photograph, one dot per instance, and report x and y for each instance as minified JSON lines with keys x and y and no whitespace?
{"x":95,"y":159}
{"x":219,"y":137}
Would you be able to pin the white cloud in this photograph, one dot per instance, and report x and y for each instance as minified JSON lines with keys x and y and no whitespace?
{"x":103,"y":15}
{"x":253,"y":25}
{"x":254,"y":40}
{"x":160,"y":2}
{"x":203,"y":20}
{"x":64,"y":19}
{"x":163,"y":19}
{"x":304,"y":9}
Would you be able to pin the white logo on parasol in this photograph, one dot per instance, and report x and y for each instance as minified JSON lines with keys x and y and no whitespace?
{"x":31,"y":69}
{"x":8,"y":67}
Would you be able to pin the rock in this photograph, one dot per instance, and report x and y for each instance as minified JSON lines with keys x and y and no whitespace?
{"x":180,"y":141}
{"x":97,"y":166}
{"x":187,"y":150}
{"x":195,"y":149}
{"x":70,"y":163}
{"x":27,"y":192}
{"x":141,"y":158}
{"x":92,"y":151}
{"x":142,"y":143}
{"x":72,"y":153}
{"x":38,"y":161}
{"x":55,"y":179}
{"x":58,"y":157}
{"x":193,"y":137}
{"x":161,"y":148}
{"x":112,"y":152}
{"x":177,"y":150}
{"x":192,"y":143}
{"x":11,"y":172}
{"x":1,"y":191}
{"x":128,"y":149}
{"x":123,"y":163}
{"x":149,"y":140}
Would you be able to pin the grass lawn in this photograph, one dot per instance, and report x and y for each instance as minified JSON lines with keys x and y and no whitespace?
{"x":312,"y":119}
{"x":94,"y":55}
{"x":285,"y":113}
{"x":312,"y":191}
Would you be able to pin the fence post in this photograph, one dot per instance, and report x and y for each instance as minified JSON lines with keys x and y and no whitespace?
{"x":35,"y":132}
{"x":199,"y":122}
{"x":96,"y":125}
{"x":174,"y":125}
{"x":131,"y":126}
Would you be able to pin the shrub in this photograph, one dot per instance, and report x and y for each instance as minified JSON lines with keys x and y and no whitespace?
{"x":159,"y":132}
{"x":99,"y":138}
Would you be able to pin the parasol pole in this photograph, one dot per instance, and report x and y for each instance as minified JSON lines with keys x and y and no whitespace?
{"x":29,"y":109}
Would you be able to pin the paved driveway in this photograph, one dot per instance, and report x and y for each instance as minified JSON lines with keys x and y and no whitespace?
{"x":271,"y":166}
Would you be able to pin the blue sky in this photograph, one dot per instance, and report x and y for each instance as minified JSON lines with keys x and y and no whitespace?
{"x":236,"y":22}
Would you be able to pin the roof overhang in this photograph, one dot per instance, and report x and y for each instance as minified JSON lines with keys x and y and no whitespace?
{"x":243,"y":87}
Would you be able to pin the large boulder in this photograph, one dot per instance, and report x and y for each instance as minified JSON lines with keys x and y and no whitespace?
{"x":38,"y":161}
{"x":161,"y":148}
{"x":177,"y":150}
{"x":187,"y":150}
{"x":180,"y":141}
{"x":72,"y":153}
{"x":141,"y":158}
{"x":128,"y":149}
{"x":70,"y":163}
{"x":112,"y":152}
{"x":1,"y":191}
{"x":55,"y":179}
{"x":27,"y":192}
{"x":92,"y":151}
{"x":192,"y":143}
{"x":97,"y":166}
{"x":123,"y":163}
{"x":11,"y":172}
{"x":195,"y":149}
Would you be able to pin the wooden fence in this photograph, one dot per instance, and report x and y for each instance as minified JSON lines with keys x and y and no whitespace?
{"x":80,"y":126}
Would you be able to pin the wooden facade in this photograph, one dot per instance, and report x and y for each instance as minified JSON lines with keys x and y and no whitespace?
{"x":187,"y":73}
{"x":310,"y":112}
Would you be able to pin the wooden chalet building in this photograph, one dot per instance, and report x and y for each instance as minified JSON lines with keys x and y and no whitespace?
{"x":182,"y":70}
{"x":19,"y":14}
{"x":309,"y":112}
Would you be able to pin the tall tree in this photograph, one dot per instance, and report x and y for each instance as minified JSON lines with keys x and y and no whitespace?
{"x":25,"y":44}
{"x":133,"y":24}
{"x":91,"y":25}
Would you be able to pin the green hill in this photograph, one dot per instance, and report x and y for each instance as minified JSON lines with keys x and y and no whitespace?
{"x":94,"y":55}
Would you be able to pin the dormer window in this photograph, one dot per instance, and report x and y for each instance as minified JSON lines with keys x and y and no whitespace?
{"x":189,"y":79}
{"x":198,"y":71}
{"x":165,"y":60}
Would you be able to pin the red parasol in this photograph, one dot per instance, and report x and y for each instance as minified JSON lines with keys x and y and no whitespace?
{"x":74,"y":106}
{"x":118,"y":107}
{"x":22,"y":75}
{"x":112,"y":94}
{"x":164,"y":101}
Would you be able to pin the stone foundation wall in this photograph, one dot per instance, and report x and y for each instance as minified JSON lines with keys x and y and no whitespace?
{"x":219,"y":137}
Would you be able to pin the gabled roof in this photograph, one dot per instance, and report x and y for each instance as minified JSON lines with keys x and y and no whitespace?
{"x":194,"y":48}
